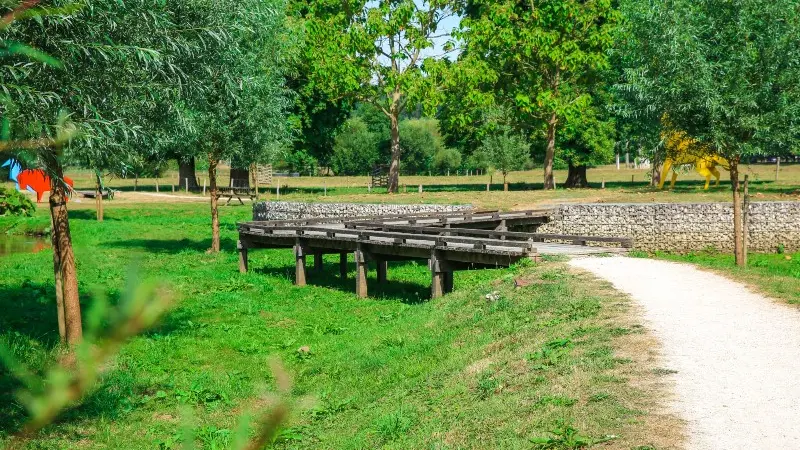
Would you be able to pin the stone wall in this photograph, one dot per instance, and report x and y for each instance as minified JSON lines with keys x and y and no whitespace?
{"x":301,"y":210}
{"x":682,"y":227}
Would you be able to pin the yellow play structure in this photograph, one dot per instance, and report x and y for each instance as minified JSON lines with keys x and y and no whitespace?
{"x":683,"y":150}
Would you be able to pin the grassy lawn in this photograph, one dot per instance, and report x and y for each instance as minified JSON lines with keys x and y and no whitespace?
{"x":525,"y":188}
{"x":776,"y":275}
{"x":392,"y":371}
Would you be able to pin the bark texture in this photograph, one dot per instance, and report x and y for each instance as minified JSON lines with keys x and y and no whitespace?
{"x":576,"y":177}
{"x":394,"y":167}
{"x":550,"y":153}
{"x":186,"y":170}
{"x":212,"y":180}
{"x":64,"y":269}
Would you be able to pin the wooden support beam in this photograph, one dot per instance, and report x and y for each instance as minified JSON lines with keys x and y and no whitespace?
{"x":382,"y":269}
{"x":242,"y":256}
{"x":436,"y":264}
{"x":361,"y":273}
{"x":300,"y":265}
{"x":448,"y":282}
{"x":343,"y":265}
{"x":318,"y":264}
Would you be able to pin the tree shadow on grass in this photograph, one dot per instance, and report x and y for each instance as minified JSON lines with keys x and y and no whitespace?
{"x":89,"y":214}
{"x":405,"y":291}
{"x":173,"y":246}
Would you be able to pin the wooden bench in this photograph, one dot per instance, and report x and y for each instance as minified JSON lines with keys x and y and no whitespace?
{"x":238,"y":193}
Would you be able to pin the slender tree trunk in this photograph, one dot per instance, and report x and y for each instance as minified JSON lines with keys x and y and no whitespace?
{"x":576,"y":178}
{"x":98,"y":199}
{"x":394,"y":168}
{"x":187,"y":170}
{"x":62,"y":326}
{"x":550,"y":153}
{"x":64,"y":263}
{"x":738,"y":244}
{"x":212,"y":180}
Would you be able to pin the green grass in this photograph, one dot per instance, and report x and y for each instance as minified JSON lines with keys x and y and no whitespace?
{"x":394,"y":371}
{"x":777,"y":275}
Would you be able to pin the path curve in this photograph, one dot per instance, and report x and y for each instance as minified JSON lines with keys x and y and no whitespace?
{"x":736,"y":353}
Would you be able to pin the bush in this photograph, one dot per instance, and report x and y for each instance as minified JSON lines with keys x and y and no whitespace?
{"x":446,"y":159}
{"x":418,"y":144}
{"x":13,"y":203}
{"x":355,"y":150}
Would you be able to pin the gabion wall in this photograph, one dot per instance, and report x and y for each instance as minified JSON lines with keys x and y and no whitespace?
{"x":301,"y":210}
{"x":682,"y":227}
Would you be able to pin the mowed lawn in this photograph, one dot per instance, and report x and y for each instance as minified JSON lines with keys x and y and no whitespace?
{"x":563,"y":353}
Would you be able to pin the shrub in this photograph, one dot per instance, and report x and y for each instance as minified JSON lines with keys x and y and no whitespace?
{"x":418,"y":146}
{"x":13,"y":203}
{"x":355,"y":150}
{"x":446,"y":159}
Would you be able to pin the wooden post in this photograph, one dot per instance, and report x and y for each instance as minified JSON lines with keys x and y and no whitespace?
{"x":420,"y":189}
{"x":204,"y":186}
{"x":343,"y":265}
{"x":325,"y":188}
{"x":627,"y":160}
{"x":300,"y":265}
{"x":318,"y":265}
{"x":187,"y":184}
{"x":437,"y":275}
{"x":777,"y":168}
{"x":746,"y":218}
{"x":173,"y":188}
{"x":488,"y":187}
{"x":382,"y":269}
{"x":448,"y":282}
{"x":617,"y":161}
{"x":369,"y":188}
{"x":603,"y":185}
{"x":156,"y":184}
{"x":278,"y":190}
{"x":361,"y":273}
{"x":242,"y":257}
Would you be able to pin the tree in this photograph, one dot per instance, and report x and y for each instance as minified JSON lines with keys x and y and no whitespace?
{"x":505,"y":152}
{"x":375,"y":52}
{"x":446,"y":160}
{"x":234,"y":101}
{"x":587,"y":140}
{"x":725,"y":73}
{"x":81,"y":89}
{"x":544,"y":56}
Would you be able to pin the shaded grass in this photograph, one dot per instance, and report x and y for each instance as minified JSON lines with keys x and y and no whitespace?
{"x":393,"y":371}
{"x":777,"y":275}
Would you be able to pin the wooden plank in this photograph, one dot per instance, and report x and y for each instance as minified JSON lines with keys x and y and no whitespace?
{"x":343,"y":265}
{"x":382,"y":270}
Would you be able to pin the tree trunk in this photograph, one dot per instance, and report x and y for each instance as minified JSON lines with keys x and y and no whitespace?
{"x":394,"y":168}
{"x":186,"y":170}
{"x":576,"y":178}
{"x":66,"y":277}
{"x":98,"y":200}
{"x":212,"y":180}
{"x":62,"y":326}
{"x":550,"y":153}
{"x":738,"y":245}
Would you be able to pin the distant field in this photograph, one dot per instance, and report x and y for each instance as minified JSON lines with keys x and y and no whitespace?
{"x":625,"y":185}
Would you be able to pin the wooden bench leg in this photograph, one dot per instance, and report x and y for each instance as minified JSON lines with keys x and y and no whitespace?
{"x":343,"y":265}
{"x":382,"y":269}
{"x":300,"y":265}
{"x":361,"y":274}
{"x":230,"y":197}
{"x":242,"y":257}
{"x":239,"y":197}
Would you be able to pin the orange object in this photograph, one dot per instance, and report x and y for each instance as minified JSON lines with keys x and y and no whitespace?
{"x":37,"y":181}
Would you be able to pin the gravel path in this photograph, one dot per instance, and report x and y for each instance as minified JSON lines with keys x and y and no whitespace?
{"x":736,"y":353}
